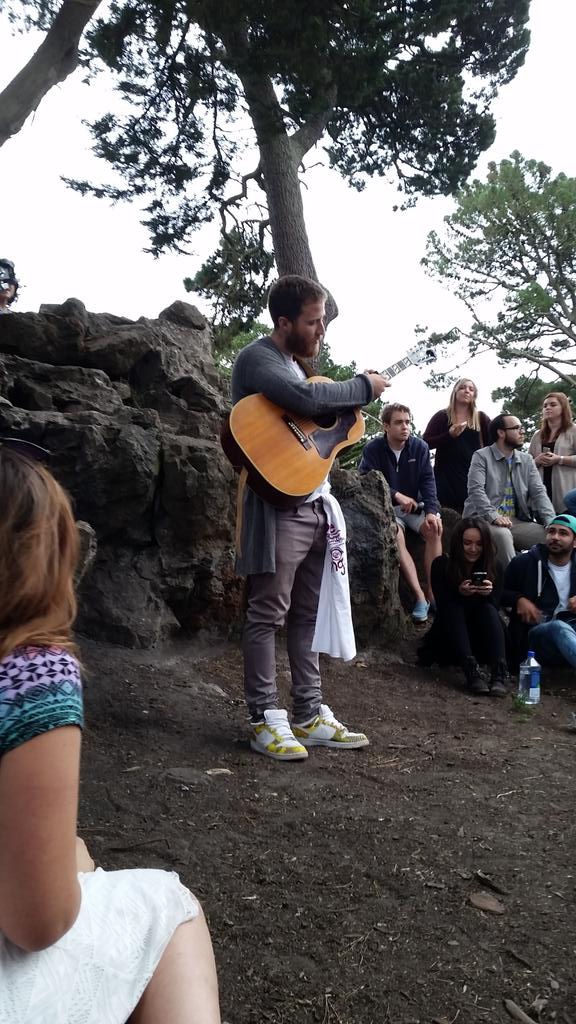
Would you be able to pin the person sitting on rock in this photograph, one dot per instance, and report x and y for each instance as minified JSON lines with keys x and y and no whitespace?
{"x":467,"y":629}
{"x":505,"y":489}
{"x":76,"y":943}
{"x":405,"y":462}
{"x":8,"y":285}
{"x":540,"y":590}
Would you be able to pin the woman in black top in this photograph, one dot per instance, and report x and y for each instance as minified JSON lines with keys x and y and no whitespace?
{"x":456,"y":433}
{"x":467,"y":628}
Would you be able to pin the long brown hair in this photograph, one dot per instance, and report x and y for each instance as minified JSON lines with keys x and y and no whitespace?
{"x":38,"y":554}
{"x":473,"y":415}
{"x":458,"y":568}
{"x":565,"y":422}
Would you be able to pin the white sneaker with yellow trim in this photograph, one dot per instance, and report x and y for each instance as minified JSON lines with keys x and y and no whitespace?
{"x":326,"y":731}
{"x":274,"y":738}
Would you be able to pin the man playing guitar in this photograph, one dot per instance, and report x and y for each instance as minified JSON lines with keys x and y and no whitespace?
{"x":282,"y":551}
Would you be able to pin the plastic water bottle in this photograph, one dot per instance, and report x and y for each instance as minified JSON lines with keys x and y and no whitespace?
{"x":529,"y":680}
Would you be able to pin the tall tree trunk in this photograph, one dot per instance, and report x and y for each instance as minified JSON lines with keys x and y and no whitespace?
{"x":54,"y":60}
{"x":280,"y":156}
{"x":279,"y":166}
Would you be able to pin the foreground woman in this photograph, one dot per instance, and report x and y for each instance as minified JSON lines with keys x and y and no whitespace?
{"x":467,"y":629}
{"x":456,"y":433}
{"x":553,"y":449}
{"x":77,"y":945}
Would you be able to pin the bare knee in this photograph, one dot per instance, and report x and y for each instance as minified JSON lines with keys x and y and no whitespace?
{"x":400,"y":538}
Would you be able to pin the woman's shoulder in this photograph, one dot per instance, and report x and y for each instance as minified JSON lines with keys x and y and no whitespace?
{"x":34,"y":662}
{"x":40,"y":690}
{"x":439,"y":419}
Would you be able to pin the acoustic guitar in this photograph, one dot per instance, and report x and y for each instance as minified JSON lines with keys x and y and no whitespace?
{"x":286,"y":457}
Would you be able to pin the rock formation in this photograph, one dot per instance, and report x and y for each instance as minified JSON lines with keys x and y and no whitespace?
{"x":131,"y":412}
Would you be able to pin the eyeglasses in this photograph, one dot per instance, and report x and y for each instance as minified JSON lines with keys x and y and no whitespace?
{"x":517,"y":426}
{"x":26,"y":448}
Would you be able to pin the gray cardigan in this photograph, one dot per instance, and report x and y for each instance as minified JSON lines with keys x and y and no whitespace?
{"x":487,"y":480}
{"x":261,"y":368}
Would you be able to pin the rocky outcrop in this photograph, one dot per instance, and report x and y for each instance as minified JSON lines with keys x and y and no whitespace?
{"x":131,"y":412}
{"x":372,"y":556}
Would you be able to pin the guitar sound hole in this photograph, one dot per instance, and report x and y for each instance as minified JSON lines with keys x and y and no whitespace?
{"x":326,"y":421}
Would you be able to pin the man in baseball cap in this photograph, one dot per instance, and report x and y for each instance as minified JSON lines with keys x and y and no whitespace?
{"x":540,"y":590}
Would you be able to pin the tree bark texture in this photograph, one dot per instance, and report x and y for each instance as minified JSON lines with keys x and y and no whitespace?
{"x":280,"y":156}
{"x":54,"y":60}
{"x":279,"y":166}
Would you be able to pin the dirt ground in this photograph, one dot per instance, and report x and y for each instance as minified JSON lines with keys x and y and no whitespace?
{"x":338,"y":889}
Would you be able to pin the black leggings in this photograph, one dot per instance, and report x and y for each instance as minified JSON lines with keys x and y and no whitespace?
{"x":471,"y":628}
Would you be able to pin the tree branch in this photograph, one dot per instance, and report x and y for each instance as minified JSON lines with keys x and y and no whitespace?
{"x":523,"y":355}
{"x":54,"y":60}
{"x":313,"y":129}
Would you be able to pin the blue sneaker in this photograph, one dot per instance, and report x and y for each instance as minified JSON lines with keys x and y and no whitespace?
{"x":420,"y":611}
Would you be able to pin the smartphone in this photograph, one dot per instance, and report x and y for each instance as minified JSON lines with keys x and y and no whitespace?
{"x":478,"y":578}
{"x":546,"y":449}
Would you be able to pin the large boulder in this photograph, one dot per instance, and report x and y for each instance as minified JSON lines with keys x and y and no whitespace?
{"x":372,"y":556}
{"x":131,"y":411}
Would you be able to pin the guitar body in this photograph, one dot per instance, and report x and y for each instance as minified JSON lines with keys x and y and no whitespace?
{"x":286,"y":456}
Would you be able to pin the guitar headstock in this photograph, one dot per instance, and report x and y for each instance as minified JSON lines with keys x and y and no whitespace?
{"x":421,"y":354}
{"x":417,"y":356}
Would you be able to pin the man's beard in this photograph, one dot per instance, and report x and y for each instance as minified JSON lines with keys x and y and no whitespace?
{"x":298,"y":345}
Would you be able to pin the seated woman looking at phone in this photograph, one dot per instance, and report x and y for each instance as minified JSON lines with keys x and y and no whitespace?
{"x":78,"y":945}
{"x":467,"y":629}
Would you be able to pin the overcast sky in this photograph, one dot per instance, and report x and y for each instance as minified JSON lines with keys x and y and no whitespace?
{"x":368,"y":255}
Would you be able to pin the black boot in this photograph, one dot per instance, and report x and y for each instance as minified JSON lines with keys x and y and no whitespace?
{"x":474,"y":678}
{"x":499,"y":679}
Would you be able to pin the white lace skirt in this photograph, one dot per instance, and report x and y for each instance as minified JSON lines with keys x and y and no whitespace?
{"x":98,"y":971}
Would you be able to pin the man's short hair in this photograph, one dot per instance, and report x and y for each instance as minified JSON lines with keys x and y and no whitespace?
{"x":289,"y":293}
{"x":498,"y":424}
{"x":389,"y":410}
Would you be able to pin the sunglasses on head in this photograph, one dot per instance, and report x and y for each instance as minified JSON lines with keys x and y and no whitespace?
{"x":26,"y":448}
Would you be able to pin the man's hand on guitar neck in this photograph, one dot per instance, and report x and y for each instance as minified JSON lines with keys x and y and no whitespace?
{"x":378,"y":381}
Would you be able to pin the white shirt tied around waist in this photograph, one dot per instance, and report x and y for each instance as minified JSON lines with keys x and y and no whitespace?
{"x":334,"y":633}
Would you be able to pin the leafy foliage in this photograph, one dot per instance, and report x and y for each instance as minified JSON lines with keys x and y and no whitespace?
{"x":509,"y":253}
{"x":389,"y":88}
{"x":234,"y":279}
{"x":224,"y":355}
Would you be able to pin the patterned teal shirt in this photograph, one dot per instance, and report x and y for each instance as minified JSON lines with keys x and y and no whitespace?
{"x":40,"y":690}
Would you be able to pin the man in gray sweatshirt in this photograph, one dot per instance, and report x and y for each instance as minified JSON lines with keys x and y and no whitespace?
{"x":282,"y":551}
{"x":504,"y":488}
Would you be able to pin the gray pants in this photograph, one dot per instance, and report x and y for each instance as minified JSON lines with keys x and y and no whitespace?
{"x":510,"y":539}
{"x":290,"y":594}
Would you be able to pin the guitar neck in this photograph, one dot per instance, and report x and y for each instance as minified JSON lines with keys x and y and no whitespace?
{"x":396,"y":368}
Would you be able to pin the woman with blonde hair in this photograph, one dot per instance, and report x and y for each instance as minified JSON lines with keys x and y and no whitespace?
{"x":553,"y":448}
{"x":456,"y":433}
{"x":78,"y":945}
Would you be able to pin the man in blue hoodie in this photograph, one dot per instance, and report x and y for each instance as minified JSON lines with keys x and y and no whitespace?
{"x":540,"y":590}
{"x":405,"y":462}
